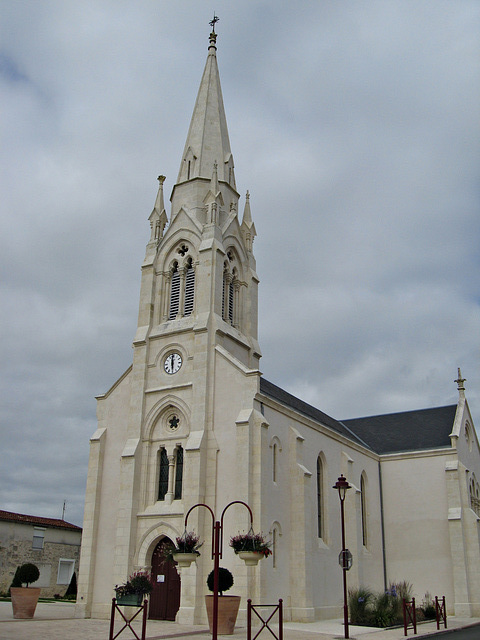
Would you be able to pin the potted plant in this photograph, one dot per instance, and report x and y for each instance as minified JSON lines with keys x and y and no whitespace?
{"x":185,"y":551}
{"x":251,"y":547}
{"x":227,"y":605}
{"x":133,"y":591}
{"x":24,"y":599}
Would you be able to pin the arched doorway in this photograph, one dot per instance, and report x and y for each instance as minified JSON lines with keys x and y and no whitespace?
{"x":165,"y":597}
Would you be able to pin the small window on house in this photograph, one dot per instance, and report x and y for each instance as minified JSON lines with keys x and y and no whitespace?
{"x":38,"y":537}
{"x":178,"y":473}
{"x":174,"y":293}
{"x":163,"y":475}
{"x":65,"y":571}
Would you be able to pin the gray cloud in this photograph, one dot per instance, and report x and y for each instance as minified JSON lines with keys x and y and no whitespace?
{"x":355,"y":128}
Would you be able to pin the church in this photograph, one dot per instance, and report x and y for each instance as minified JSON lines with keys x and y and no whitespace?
{"x":192,"y":421}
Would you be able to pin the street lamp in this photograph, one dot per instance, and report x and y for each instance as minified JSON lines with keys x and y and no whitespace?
{"x":345,"y":556}
{"x":217,"y":543}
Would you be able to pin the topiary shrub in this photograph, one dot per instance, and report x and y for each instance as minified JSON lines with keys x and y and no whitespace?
{"x":28,"y":573}
{"x":225,"y":580}
{"x":72,"y":587}
{"x":16,"y":582}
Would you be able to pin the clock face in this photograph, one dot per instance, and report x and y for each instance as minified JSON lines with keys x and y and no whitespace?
{"x":172,"y":363}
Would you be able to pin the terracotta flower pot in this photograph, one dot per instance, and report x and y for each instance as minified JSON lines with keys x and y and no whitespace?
{"x":227,"y":613}
{"x":24,"y":601}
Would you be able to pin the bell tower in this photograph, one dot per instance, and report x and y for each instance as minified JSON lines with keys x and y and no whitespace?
{"x":176,"y":428}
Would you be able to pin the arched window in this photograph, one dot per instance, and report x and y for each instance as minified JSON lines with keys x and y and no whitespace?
{"x":274,"y":461}
{"x":189,"y":288}
{"x":163,"y":475}
{"x":231,"y":290}
{"x":174,"y":292}
{"x":320,"y":498}
{"x":275,"y":535}
{"x":363,"y":499}
{"x":274,"y":547}
{"x":178,"y":473}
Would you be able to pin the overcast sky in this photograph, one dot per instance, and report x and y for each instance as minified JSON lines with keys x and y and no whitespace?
{"x":355,"y":126}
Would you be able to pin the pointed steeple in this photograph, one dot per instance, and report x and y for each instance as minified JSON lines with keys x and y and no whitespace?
{"x":248,"y":227}
{"x":158,"y":217}
{"x":207,"y":140}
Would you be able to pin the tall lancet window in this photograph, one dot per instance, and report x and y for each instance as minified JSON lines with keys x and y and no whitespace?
{"x":178,"y":473}
{"x":163,"y":475}
{"x":363,"y":498}
{"x":189,"y":288}
{"x":174,"y":292}
{"x":230,"y":293}
{"x":320,"y":498}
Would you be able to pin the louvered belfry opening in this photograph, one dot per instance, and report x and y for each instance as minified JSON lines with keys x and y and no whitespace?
{"x":189,"y":288}
{"x":174,"y":293}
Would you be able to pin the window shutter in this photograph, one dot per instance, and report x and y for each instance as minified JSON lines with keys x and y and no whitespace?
{"x":189,"y":290}
{"x":174,"y":295}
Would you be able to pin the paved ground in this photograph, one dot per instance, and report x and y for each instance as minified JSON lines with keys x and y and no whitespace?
{"x":55,"y":621}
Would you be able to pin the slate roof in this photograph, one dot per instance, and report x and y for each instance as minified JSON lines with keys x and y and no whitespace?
{"x":406,"y":431}
{"x":37,"y":520}
{"x":283,"y":397}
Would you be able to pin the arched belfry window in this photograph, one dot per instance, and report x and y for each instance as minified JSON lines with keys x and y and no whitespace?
{"x":174,"y":292}
{"x":189,"y":288}
{"x":182,"y":284}
{"x":231,"y":290}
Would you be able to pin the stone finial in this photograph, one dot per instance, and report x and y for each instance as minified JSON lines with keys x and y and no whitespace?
{"x":460,"y":382}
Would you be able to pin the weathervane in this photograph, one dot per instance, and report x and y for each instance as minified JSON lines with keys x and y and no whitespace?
{"x":213,"y":22}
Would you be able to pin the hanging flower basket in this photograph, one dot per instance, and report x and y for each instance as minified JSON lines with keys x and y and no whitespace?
{"x":251,"y":558}
{"x":185,"y":551}
{"x":250,"y":547}
{"x":184,"y":560}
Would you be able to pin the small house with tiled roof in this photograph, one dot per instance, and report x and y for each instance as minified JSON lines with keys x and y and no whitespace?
{"x":53,"y":545}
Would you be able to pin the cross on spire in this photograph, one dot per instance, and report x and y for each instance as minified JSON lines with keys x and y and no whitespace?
{"x":213,"y":22}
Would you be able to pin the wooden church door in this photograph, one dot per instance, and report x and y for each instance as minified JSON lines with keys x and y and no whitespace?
{"x":165,"y":597}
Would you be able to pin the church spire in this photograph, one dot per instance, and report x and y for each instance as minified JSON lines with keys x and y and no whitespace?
{"x":207,"y":140}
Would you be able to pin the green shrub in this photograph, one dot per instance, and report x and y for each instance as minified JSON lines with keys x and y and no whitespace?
{"x":225,"y":580}
{"x":72,"y":587}
{"x":27,"y":574}
{"x":359,"y":605}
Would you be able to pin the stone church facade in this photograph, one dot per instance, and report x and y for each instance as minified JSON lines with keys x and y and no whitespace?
{"x":193,"y":421}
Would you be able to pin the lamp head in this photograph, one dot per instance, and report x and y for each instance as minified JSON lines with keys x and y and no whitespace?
{"x":342,"y":486}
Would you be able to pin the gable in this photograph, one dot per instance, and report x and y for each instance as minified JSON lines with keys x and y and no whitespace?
{"x":406,"y":431}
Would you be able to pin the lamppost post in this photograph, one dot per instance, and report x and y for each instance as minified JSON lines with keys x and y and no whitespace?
{"x":217,"y":543}
{"x":342,"y":485}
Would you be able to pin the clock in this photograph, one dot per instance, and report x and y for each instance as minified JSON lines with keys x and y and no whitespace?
{"x":172,"y":363}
